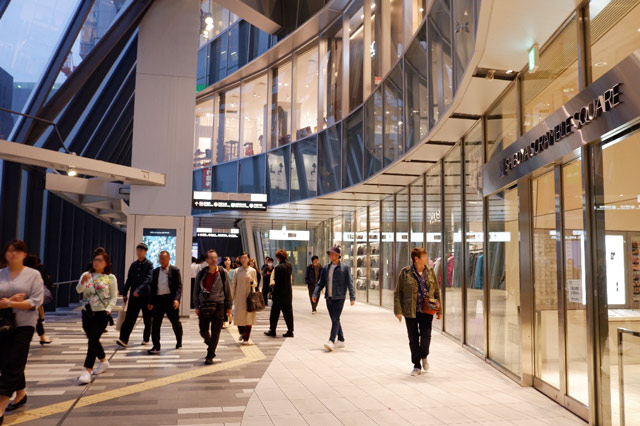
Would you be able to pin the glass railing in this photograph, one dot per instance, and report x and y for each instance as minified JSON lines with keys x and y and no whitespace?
{"x":628,"y":376}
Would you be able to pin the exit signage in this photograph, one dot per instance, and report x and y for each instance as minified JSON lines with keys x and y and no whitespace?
{"x":533,"y":58}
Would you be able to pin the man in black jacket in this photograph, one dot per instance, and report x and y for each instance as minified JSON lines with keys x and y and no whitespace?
{"x":212,"y":299}
{"x":166,"y":291}
{"x":281,"y":295}
{"x":311,"y":278}
{"x":136,"y":291}
{"x":267,"y":270}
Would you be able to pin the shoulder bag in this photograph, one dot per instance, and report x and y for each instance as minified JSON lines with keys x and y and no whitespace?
{"x":255,"y":301}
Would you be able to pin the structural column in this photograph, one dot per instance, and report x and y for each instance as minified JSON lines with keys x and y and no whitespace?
{"x":163,"y":128}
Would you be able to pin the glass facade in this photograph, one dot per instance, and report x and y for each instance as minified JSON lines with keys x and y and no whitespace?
{"x":393,"y":116}
{"x":203,"y":135}
{"x":251,"y":175}
{"x":304,"y":168}
{"x":330,"y":160}
{"x":439,"y":29}
{"x":330,"y":90}
{"x":281,"y":105}
{"x":278,"y":169}
{"x":387,"y":243}
{"x":305,"y":107}
{"x":416,"y":90}
{"x":352,"y":162}
{"x":254,"y":116}
{"x":373,"y":133}
{"x":229,"y":125}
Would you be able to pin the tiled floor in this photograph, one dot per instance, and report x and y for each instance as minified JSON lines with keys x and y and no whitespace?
{"x":277,"y":382}
{"x":368,"y":382}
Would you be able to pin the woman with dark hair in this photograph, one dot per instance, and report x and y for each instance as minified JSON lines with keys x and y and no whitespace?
{"x":100,"y":288}
{"x":21,"y":291}
{"x":244,"y":279}
{"x":33,"y":261}
{"x":281,"y":295}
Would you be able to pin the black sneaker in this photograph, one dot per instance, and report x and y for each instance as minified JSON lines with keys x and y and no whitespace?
{"x":270,"y":333}
{"x":208,"y":361}
{"x":178,"y":345}
{"x":154,"y":351}
{"x":288,"y":334}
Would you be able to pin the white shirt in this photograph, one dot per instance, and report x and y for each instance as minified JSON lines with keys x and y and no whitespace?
{"x":163,"y":281}
{"x":195,"y":268}
{"x":330,"y":280}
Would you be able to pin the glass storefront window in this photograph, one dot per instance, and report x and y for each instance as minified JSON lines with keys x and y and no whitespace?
{"x":305,"y":108}
{"x":393,"y":116}
{"x":229,"y":125}
{"x":373,"y":295}
{"x":218,"y":59}
{"x":30,"y":33}
{"x":356,"y":53}
{"x":433,"y":226}
{"x":440,"y":47}
{"x":574,"y":273}
{"x":331,"y":75}
{"x":502,"y":124}
{"x":251,"y":175}
{"x":545,"y":283}
{"x":374,"y":127}
{"x":348,"y":239}
{"x":614,"y":33}
{"x":464,"y":27}
{"x":278,"y":163}
{"x":401,"y":255}
{"x":417,"y":211}
{"x":555,"y":81}
{"x":254,"y":116}
{"x":233,"y":58}
{"x":361,"y":258}
{"x":387,"y":237}
{"x":281,"y":105}
{"x":330,"y":160}
{"x":453,"y":315}
{"x":304,"y":168}
{"x":203,"y":135}
{"x":336,"y":234}
{"x":474,"y":242}
{"x":225,"y":177}
{"x":416,"y":90}
{"x":353,"y":150}
{"x":504,"y":279}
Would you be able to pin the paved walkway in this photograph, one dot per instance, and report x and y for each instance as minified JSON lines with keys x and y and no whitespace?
{"x":368,"y":382}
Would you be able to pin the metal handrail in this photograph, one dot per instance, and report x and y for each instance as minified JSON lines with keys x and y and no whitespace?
{"x":621,"y":331}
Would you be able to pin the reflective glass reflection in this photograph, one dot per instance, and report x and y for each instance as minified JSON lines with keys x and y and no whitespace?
{"x":304,"y":168}
{"x":203,"y":135}
{"x":331,"y":75}
{"x":440,"y":47}
{"x":356,"y":53}
{"x":502,"y":125}
{"x":453,"y":227}
{"x":417,"y":210}
{"x":330,"y":160}
{"x":229,"y":126}
{"x":433,"y":246}
{"x":251,"y":175}
{"x":393,"y":116}
{"x":29,"y":33}
{"x":464,"y":27}
{"x":305,"y":108}
{"x":387,"y":238}
{"x":225,"y":177}
{"x":375,"y":267}
{"x":278,"y":169}
{"x":353,"y":150}
{"x":374,"y":128}
{"x":416,"y":90}
{"x":202,"y":179}
{"x":254,"y":115}
{"x":281,"y":105}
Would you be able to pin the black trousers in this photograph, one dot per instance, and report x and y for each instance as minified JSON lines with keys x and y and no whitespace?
{"x":265,"y":290}
{"x":136,"y":304}
{"x":287,"y":312}
{"x":314,"y":305}
{"x":419,"y":331}
{"x":211,"y":318}
{"x":93,"y":327}
{"x":164,"y":305}
{"x":14,"y":349}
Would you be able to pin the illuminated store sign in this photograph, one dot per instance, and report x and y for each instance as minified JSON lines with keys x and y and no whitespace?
{"x":229,"y":201}
{"x":580,"y":118}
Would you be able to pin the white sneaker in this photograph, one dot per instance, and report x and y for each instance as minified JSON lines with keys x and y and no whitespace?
{"x":330,"y":346}
{"x":313,"y":312}
{"x":339,"y":344}
{"x":247,"y":343}
{"x":425,"y":364}
{"x":240,"y":339}
{"x":85,"y":378}
{"x":416,"y":372}
{"x":100,"y":368}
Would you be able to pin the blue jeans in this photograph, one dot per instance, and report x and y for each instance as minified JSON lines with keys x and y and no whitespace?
{"x":334,"y":306}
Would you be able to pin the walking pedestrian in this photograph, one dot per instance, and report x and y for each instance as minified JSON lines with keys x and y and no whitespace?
{"x":311,"y":278}
{"x":336,"y":277}
{"x":281,"y":295}
{"x":33,"y":261}
{"x":416,"y":297}
{"x":166,"y":292}
{"x":136,"y":295}
{"x":244,"y":279}
{"x":266,"y":271}
{"x":21,"y":291}
{"x":100,"y":288}
{"x":212,"y":296}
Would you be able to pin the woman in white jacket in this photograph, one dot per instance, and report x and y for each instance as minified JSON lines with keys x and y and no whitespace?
{"x":100,"y":288}
{"x":244,"y":279}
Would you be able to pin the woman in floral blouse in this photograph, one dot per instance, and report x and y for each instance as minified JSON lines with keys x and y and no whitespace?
{"x":99,"y":287}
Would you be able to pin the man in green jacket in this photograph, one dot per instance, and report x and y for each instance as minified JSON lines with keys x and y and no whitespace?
{"x":416,"y":283}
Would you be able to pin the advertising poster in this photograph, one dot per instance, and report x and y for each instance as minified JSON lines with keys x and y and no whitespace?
{"x":158,"y":240}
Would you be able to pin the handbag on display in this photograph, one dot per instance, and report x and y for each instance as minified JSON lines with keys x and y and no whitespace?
{"x":7,"y":321}
{"x":255,"y":301}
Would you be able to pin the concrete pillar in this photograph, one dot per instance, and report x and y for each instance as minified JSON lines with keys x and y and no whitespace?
{"x":163,"y":128}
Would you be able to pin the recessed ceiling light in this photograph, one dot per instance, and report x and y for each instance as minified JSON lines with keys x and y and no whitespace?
{"x":72,"y":172}
{"x":600,"y":64}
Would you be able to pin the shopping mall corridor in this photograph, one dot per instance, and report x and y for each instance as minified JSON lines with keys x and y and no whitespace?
{"x":277,"y":381}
